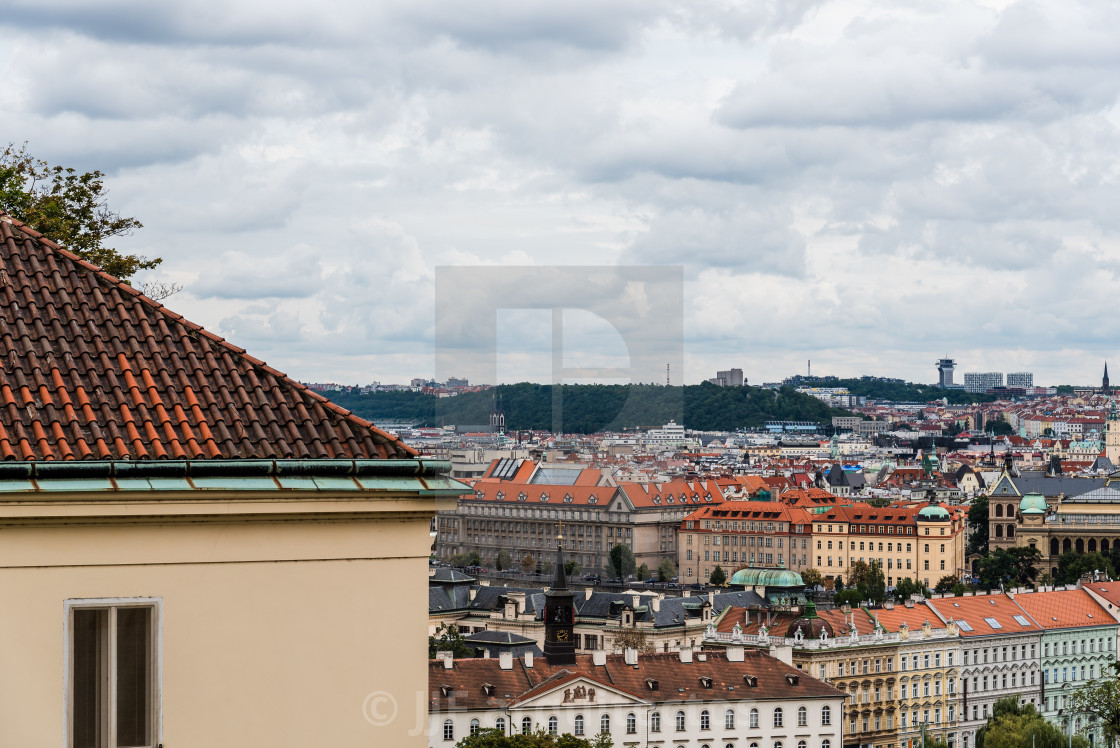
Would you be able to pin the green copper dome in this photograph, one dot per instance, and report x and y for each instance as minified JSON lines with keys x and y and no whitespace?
{"x":933,"y":513}
{"x":1032,"y":503}
{"x":767,"y":578}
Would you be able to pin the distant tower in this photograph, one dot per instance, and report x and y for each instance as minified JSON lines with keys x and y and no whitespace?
{"x":666,"y":373}
{"x":945,"y":368}
{"x":1104,"y":380}
{"x":497,"y":417}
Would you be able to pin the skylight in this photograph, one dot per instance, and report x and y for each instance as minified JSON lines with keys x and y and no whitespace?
{"x":1021,"y":621}
{"x":964,"y":625}
{"x":993,"y":623}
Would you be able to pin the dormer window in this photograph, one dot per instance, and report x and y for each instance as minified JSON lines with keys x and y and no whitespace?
{"x":652,"y":684}
{"x":568,"y":498}
{"x":521,"y":496}
{"x":705,"y":682}
{"x":544,"y":497}
{"x":445,"y":691}
{"x":488,"y":689}
{"x":751,"y":681}
{"x":792,"y":678}
{"x":500,"y":495}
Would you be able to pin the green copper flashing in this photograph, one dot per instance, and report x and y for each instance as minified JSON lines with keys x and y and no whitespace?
{"x":421,"y":477}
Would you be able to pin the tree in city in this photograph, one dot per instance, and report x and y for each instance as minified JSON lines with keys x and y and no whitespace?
{"x":643,"y":572}
{"x":718,"y":577}
{"x":666,"y":570}
{"x":1100,"y":700}
{"x":849,"y":596}
{"x":504,"y":560}
{"x":69,"y":208}
{"x":634,"y":638}
{"x":874,"y":585}
{"x":547,"y":564}
{"x":528,"y":563}
{"x":622,"y":563}
{"x":571,"y":568}
{"x":1073,"y":565}
{"x":493,"y":738}
{"x":449,"y":639}
{"x":1014,"y":567}
{"x":999,"y":427}
{"x":857,"y":573}
{"x":465,"y":559}
{"x":1024,"y":564}
{"x":812,"y":578}
{"x":946,"y":584}
{"x":907,"y":587}
{"x":978,"y":526}
{"x":1015,"y":725}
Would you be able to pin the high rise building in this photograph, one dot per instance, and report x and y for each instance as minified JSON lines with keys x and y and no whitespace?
{"x":728,"y":378}
{"x":981,"y":382}
{"x":1020,"y":379}
{"x":945,"y":367}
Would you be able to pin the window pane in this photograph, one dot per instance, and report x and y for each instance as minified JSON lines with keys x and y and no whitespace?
{"x":134,"y":638}
{"x":91,"y":650}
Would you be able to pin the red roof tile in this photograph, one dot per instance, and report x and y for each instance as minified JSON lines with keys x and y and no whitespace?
{"x":91,"y":369}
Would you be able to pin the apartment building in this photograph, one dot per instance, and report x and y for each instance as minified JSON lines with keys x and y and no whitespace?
{"x":911,"y":541}
{"x":742,"y":534}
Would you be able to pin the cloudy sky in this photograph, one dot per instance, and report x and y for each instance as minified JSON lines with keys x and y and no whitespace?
{"x":868,"y":185}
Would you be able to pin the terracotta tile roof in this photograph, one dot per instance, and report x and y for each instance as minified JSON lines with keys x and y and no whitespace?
{"x":976,"y":611}
{"x":1059,"y":609}
{"x":91,"y":369}
{"x":462,"y":687}
{"x":912,"y":617}
{"x":595,"y":497}
{"x":673,"y":493}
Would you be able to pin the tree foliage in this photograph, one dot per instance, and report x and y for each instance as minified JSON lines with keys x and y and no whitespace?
{"x":907,"y":587}
{"x":621,"y":563}
{"x":69,"y":208}
{"x":978,"y":526}
{"x":718,"y":577}
{"x":1100,"y":699}
{"x":537,"y":739}
{"x":450,"y":639}
{"x":812,"y":578}
{"x":503,"y":561}
{"x":595,"y":407}
{"x":1013,"y":567}
{"x":946,"y":584}
{"x":528,"y":563}
{"x":1072,"y":565}
{"x":1015,"y":725}
{"x":571,"y":568}
{"x":633,"y":638}
{"x":643,"y":572}
{"x":666,"y":570}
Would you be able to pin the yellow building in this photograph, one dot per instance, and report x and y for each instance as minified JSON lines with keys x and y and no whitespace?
{"x":923,"y":542}
{"x":195,"y":550}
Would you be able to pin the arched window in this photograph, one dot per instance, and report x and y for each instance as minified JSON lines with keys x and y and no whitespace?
{"x":802,"y":716}
{"x":553,"y":724}
{"x":680,"y":721}
{"x":605,"y":723}
{"x":802,"y":744}
{"x":729,"y":719}
{"x":655,"y":722}
{"x":754,"y":718}
{"x":500,"y":724}
{"x":448,"y":730}
{"x":705,"y":720}
{"x":999,"y":510}
{"x":826,"y":743}
{"x":474,"y":726}
{"x":1011,"y":531}
{"x":1053,"y":546}
{"x":526,"y":725}
{"x":999,"y":531}
{"x":777,"y":744}
{"x":826,"y":715}
{"x":777,"y":718}
{"x":631,"y":724}
{"x":579,"y":724}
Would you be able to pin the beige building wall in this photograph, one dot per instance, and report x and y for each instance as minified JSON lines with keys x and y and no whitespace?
{"x":283,"y":631}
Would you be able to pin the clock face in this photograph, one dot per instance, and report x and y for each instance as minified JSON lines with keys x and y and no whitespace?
{"x":562,"y":636}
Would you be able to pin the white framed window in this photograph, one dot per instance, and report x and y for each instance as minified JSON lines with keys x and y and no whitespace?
{"x":475,"y":726}
{"x":729,"y":719}
{"x":579,"y":724}
{"x":754,"y":718}
{"x":802,"y":716}
{"x":114,"y":671}
{"x":826,"y":715}
{"x":777,"y":716}
{"x":448,"y":730}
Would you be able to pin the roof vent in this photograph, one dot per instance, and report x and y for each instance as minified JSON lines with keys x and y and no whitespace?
{"x":792,"y":678}
{"x":751,"y":681}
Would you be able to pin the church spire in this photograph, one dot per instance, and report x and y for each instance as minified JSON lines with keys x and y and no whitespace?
{"x":559,"y":613}
{"x":1104,"y":380}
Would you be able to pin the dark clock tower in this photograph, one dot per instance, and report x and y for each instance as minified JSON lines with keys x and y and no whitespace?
{"x":559,"y":615}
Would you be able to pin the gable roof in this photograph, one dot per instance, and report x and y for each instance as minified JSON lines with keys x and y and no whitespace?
{"x":91,"y":369}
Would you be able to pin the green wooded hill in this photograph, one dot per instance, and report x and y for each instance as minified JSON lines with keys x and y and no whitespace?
{"x":590,"y":408}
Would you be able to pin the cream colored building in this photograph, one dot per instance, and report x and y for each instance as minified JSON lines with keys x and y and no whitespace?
{"x":195,"y":550}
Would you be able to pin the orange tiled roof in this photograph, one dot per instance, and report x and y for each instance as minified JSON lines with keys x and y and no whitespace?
{"x":1059,"y":609}
{"x":92,"y":369}
{"x":975,"y":612}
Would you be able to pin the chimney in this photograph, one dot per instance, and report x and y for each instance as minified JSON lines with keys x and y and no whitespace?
{"x":448,"y":659}
{"x":686,"y":653}
{"x":529,"y":659}
{"x":630,"y":656}
{"x":586,"y":593}
{"x":472,"y":592}
{"x":635,"y":601}
{"x":599,"y":657}
{"x":657,"y":604}
{"x":505,"y":660}
{"x":735,"y":654}
{"x":782,"y":654}
{"x":712,"y":599}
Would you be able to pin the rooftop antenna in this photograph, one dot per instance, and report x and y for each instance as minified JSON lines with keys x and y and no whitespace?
{"x":666,"y":373}
{"x":809,"y":371}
